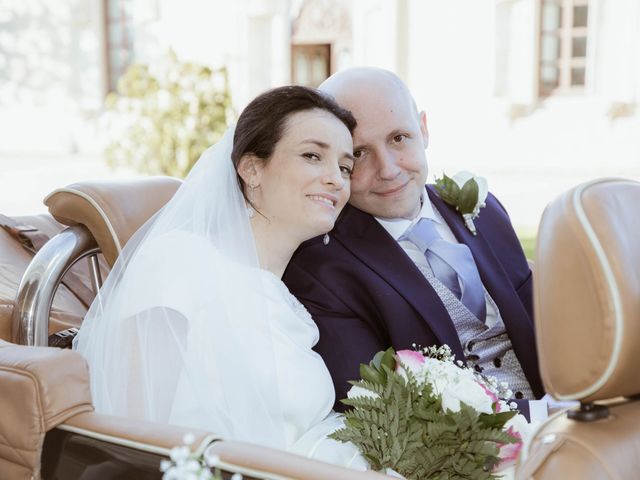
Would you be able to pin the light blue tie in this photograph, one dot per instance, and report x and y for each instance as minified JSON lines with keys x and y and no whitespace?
{"x":450,"y":262}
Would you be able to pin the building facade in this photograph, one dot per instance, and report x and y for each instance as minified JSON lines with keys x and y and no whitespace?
{"x":536,"y":95}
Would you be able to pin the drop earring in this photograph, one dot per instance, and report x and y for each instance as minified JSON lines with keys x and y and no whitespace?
{"x":326,"y":239}
{"x":251,"y":212}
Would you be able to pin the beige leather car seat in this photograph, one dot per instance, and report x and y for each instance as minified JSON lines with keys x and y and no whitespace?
{"x":67,"y":310}
{"x":587,"y":316}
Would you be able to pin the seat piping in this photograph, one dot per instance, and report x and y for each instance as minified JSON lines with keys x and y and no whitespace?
{"x":95,"y":205}
{"x":612,"y":287}
{"x":145,"y":447}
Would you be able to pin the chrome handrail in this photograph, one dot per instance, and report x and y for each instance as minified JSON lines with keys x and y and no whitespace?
{"x":30,"y":318}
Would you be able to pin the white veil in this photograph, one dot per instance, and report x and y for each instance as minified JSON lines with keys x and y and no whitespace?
{"x":179,"y":333}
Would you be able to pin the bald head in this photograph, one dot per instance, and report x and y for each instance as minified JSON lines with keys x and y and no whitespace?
{"x":389,"y":141}
{"x":365,"y":85}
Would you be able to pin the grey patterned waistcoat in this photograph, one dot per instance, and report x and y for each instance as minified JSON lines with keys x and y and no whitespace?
{"x":487,"y":349}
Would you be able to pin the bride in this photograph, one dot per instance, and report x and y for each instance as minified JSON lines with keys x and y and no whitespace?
{"x":193,"y":326}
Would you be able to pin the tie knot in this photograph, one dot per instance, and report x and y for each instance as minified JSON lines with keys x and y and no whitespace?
{"x":422,"y":234}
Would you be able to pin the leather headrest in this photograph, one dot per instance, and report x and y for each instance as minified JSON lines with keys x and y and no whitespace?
{"x":111,"y":210}
{"x":587,"y":292}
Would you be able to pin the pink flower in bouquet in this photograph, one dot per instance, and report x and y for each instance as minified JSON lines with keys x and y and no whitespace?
{"x":410,"y":359}
{"x":519,"y":428}
{"x":509,"y":452}
{"x":492,"y":396}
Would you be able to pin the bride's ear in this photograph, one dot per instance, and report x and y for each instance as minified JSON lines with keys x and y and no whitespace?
{"x":250,"y":169}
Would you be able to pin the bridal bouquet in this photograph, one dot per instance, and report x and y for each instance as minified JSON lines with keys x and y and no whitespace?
{"x":425,"y":416}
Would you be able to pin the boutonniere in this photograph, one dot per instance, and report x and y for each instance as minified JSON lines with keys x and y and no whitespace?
{"x":466,"y":192}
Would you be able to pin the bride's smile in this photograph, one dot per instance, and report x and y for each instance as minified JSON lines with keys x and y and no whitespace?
{"x":327,"y":200}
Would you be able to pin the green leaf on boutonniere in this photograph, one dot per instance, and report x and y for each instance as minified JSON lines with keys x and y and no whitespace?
{"x":448,"y":190}
{"x":468,"y":196}
{"x":464,"y":198}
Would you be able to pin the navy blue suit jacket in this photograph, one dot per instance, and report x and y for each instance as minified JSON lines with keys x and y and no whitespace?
{"x":365,"y":294}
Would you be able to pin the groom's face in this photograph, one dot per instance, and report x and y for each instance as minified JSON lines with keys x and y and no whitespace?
{"x":389,"y":143}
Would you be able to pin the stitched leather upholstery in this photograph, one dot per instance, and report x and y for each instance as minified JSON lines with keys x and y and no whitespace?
{"x":41,"y":388}
{"x":66,"y":311}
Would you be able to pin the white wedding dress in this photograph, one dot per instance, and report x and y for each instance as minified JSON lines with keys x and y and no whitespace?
{"x":305,"y":385}
{"x":189,"y":330}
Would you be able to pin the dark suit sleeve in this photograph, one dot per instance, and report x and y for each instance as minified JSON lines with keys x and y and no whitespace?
{"x":525,"y":292}
{"x":504,"y":242}
{"x":346,"y":339}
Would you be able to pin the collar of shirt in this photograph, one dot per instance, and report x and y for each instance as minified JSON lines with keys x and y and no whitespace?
{"x":396,"y":227}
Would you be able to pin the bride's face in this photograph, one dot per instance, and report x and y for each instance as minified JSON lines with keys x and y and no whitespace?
{"x":305,"y":184}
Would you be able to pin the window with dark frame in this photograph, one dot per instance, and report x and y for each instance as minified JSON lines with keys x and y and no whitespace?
{"x":563,"y":46}
{"x":310,"y":64}
{"x":118,"y":39}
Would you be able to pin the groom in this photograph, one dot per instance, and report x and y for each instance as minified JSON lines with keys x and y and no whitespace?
{"x":396,"y":271}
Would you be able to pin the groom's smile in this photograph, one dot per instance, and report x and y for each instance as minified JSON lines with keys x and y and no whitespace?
{"x":392,"y":191}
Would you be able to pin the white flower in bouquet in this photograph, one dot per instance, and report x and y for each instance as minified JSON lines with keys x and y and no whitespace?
{"x":184,"y":464}
{"x":452,"y":383}
{"x":457,"y":385}
{"x":355,"y":392}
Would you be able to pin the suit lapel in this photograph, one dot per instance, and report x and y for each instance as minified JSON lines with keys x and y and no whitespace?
{"x":366,"y":239}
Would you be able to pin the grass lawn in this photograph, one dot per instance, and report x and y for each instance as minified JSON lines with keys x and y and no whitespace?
{"x":528,"y":243}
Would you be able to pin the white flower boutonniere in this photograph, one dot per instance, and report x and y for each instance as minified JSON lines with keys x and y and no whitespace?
{"x":466,"y":192}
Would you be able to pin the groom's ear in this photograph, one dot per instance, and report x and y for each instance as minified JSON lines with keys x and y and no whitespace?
{"x":249,"y":168}
{"x":423,"y":128}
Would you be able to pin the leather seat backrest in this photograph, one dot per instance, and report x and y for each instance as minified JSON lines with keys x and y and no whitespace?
{"x":587,"y":317}
{"x":587,"y":292}
{"x":111,"y":210}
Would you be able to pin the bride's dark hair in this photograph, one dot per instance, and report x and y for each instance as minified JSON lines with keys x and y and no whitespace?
{"x":261,"y":123}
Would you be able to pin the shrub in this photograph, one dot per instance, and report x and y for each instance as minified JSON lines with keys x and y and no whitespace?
{"x":162,"y":117}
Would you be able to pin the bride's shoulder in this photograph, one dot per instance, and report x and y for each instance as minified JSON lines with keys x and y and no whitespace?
{"x":178,"y":241}
{"x":285,"y":297}
{"x":182,"y":246}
